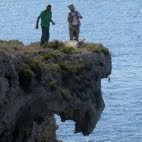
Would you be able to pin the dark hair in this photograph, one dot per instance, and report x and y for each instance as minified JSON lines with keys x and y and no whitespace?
{"x":48,"y":5}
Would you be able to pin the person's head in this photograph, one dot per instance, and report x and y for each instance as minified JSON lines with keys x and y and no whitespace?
{"x":48,"y":7}
{"x":71,"y":7}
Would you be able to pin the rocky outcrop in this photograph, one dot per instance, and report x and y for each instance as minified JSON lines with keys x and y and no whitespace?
{"x":36,"y":83}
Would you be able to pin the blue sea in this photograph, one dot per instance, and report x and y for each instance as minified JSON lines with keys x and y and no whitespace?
{"x":115,"y":23}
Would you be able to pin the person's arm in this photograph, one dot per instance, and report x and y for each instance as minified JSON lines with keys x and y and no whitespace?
{"x":70,"y":18}
{"x":37,"y":22}
{"x":52,"y":22}
{"x":79,"y":15}
{"x":51,"y":19}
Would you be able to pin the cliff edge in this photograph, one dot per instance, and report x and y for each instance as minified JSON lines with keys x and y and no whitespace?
{"x":36,"y":83}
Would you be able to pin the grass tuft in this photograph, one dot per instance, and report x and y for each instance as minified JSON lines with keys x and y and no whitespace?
{"x":53,"y":67}
{"x":96,"y":48}
{"x":67,"y":50}
{"x":55,"y":44}
{"x":49,"y":56}
{"x":26,"y":75}
{"x":66,"y":94}
{"x":77,"y":67}
{"x":53,"y":85}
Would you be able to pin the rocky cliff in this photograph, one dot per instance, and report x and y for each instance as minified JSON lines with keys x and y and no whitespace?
{"x":36,"y":83}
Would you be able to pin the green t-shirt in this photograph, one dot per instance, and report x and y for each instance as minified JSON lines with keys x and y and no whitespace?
{"x":45,"y":18}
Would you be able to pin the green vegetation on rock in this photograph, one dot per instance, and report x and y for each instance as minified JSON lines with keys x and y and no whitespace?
{"x":45,"y":56}
{"x":76,"y":67}
{"x":67,"y":50}
{"x":53,"y":85}
{"x":26,"y":75}
{"x":27,"y":72}
{"x":49,"y":56}
{"x":55,"y":44}
{"x":96,"y":48}
{"x":53,"y":67}
{"x":37,"y":66}
{"x":66,"y":94}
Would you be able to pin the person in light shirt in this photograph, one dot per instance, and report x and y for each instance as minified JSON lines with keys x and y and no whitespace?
{"x":74,"y":23}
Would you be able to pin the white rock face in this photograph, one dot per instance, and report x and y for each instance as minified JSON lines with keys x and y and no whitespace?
{"x":72,"y":44}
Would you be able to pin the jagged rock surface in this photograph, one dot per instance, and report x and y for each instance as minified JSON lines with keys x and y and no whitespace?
{"x":31,"y":92}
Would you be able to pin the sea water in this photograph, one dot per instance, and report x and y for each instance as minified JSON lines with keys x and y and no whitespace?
{"x":115,"y":23}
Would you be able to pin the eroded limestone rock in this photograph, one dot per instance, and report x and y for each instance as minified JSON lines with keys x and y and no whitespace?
{"x":36,"y":83}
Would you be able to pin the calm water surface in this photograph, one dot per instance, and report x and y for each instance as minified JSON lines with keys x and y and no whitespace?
{"x":115,"y":23}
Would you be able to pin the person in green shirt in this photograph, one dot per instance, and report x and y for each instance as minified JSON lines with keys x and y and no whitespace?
{"x":46,"y":18}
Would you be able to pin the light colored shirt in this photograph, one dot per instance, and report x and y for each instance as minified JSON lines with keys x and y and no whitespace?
{"x":75,"y":17}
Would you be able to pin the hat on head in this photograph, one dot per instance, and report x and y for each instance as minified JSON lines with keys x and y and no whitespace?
{"x":71,"y":6}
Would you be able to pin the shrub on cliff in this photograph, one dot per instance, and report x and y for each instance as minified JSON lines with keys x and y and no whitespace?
{"x":37,"y":67}
{"x":53,"y":67}
{"x":49,"y":56}
{"x":25,"y":77}
{"x":66,"y":94}
{"x":46,"y":56}
{"x":96,"y":48}
{"x":55,"y":44}
{"x":53,"y":85}
{"x":67,"y":50}
{"x":76,"y":67}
